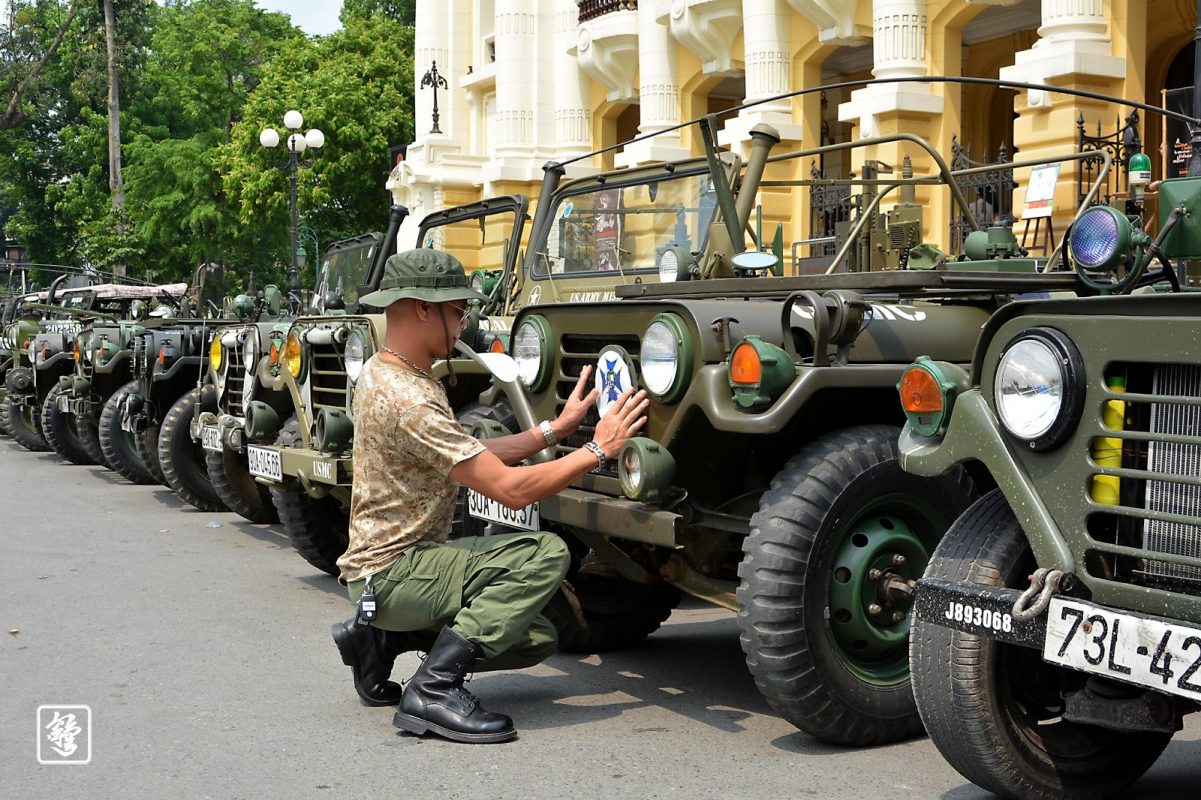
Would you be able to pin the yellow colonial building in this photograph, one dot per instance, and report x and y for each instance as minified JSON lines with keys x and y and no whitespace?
{"x":532,"y":81}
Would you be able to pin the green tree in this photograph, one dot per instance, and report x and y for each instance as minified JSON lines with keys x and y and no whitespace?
{"x":356,"y":86}
{"x":26,"y":53}
{"x":206,"y":59}
{"x":403,"y":11}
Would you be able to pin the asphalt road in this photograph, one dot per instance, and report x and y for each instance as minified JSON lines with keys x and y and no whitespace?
{"x":205,"y":657}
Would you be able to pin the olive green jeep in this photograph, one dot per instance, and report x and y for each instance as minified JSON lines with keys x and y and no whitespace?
{"x":245,"y":367}
{"x":45,"y":324}
{"x":1058,"y":640}
{"x":298,"y":437}
{"x":104,"y":367}
{"x":767,"y":478}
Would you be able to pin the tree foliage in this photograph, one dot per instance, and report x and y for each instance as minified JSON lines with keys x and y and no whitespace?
{"x":199,"y":79}
{"x":354,"y":85}
{"x":403,"y":11}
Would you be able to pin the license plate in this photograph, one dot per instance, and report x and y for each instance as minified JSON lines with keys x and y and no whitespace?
{"x":264,"y":463}
{"x":482,"y":507}
{"x":210,"y":439}
{"x":1139,"y":650}
{"x":63,"y":404}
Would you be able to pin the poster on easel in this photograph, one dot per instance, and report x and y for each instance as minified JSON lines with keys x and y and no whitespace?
{"x":1040,"y":191}
{"x":1177,"y":135}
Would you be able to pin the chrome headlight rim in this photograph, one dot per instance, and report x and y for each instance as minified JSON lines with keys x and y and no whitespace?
{"x":532,"y":374}
{"x":250,"y":352}
{"x":354,"y":355}
{"x":673,"y":327}
{"x":1062,"y":352}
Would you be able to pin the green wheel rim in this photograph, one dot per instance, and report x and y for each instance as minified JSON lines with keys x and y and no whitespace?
{"x":887,"y":544}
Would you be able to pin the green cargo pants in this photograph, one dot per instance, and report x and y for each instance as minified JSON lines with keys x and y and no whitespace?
{"x":489,"y":589}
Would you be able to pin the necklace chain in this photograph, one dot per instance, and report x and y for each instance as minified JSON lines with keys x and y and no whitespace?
{"x":425,"y":373}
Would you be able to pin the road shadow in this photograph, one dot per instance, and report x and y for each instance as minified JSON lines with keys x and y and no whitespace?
{"x":271,"y":534}
{"x":326,"y":583}
{"x":693,"y":666}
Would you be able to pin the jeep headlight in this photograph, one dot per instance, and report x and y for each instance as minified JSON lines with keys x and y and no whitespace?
{"x":666,"y":358}
{"x":216,"y":354}
{"x":293,"y":353}
{"x":1100,"y":241}
{"x":355,"y":354}
{"x":1039,"y":388}
{"x":531,"y":352}
{"x":250,"y":352}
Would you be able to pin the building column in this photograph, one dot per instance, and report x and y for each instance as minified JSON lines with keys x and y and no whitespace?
{"x":573,"y":116}
{"x":658,"y":94}
{"x":899,"y":48}
{"x":766,"y":48}
{"x":899,"y":31}
{"x":1074,"y":51}
{"x":516,"y":61}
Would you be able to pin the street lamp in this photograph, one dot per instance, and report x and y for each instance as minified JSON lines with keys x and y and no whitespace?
{"x":297,"y":143}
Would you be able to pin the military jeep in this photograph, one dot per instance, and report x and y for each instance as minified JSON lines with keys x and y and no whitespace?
{"x":44,"y":324}
{"x":245,"y":367}
{"x":170,"y":364}
{"x":104,"y":367}
{"x":298,"y":440}
{"x":1058,"y":640}
{"x":766,"y":480}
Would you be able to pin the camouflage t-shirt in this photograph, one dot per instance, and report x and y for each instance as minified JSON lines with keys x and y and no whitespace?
{"x":406,"y":442}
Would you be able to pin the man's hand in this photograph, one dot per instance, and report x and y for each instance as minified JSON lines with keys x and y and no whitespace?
{"x":624,"y":419}
{"x":576,"y":407}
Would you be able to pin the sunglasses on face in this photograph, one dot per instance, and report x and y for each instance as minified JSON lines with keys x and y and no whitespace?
{"x":463,"y":310}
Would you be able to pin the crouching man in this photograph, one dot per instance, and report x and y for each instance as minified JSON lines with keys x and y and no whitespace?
{"x":473,"y":603}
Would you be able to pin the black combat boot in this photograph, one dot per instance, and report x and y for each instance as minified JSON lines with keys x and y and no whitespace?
{"x":370,"y":654}
{"x":435,"y":700}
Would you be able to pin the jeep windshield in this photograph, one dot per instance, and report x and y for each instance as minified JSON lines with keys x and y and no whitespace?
{"x":626,"y":228}
{"x":345,"y":270}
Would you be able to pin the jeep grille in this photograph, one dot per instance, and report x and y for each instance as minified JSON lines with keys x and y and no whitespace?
{"x":328,"y":381}
{"x":1176,"y":458}
{"x":575,"y":353}
{"x":233,"y":399}
{"x":1159,"y":510}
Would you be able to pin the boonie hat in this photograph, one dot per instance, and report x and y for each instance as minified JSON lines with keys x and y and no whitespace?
{"x":422,"y":274}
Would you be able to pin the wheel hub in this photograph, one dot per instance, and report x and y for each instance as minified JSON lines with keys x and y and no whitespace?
{"x":874,"y":570}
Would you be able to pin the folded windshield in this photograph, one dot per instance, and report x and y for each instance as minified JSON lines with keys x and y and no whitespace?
{"x":625,"y":229}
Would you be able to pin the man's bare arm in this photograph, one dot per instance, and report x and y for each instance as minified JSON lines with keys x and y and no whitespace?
{"x":520,"y":446}
{"x":517,"y":487}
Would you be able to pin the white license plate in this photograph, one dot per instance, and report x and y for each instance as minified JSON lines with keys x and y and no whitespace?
{"x":210,"y":439}
{"x":1147,"y":652}
{"x":264,"y":463}
{"x":63,"y":404}
{"x":481,"y":507}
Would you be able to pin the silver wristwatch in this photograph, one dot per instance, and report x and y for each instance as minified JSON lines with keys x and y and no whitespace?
{"x":548,"y":433}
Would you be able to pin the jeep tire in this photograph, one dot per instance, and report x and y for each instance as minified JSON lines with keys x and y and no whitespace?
{"x":318,"y":527}
{"x":839,"y":522}
{"x":25,"y":424}
{"x":59,"y":431}
{"x":596,"y":611}
{"x":181,"y":458}
{"x":118,"y":445}
{"x":237,"y":488}
{"x":147,"y":445}
{"x":993,"y":709}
